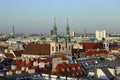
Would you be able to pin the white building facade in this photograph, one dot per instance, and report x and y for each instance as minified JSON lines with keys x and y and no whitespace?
{"x":100,"y":34}
{"x":60,"y":47}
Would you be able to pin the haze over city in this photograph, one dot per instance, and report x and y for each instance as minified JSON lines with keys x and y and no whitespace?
{"x":37,"y":16}
{"x":59,"y":39}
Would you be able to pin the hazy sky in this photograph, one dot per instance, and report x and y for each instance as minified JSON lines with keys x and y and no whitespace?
{"x":36,"y":16}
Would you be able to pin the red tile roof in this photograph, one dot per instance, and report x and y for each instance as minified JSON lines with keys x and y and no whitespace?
{"x":60,"y":69}
{"x":17,"y":62}
{"x":9,"y":55}
{"x":62,"y":57}
{"x":22,"y":64}
{"x":88,"y":45}
{"x":29,"y":65}
{"x":90,"y":52}
{"x":45,"y":60}
{"x":37,"y":49}
{"x":92,"y":45}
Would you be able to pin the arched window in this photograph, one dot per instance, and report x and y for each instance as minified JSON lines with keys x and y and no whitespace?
{"x":52,"y":48}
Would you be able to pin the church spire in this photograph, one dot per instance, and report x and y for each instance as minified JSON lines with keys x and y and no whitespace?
{"x":67,"y":28}
{"x":55,"y":28}
{"x":67,"y":34}
{"x":85,"y":33}
{"x":67,"y":23}
{"x":54,"y":32}
{"x":54,"y":21}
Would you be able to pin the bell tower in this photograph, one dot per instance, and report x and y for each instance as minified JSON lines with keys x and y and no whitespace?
{"x":67,"y":33}
{"x":54,"y":34}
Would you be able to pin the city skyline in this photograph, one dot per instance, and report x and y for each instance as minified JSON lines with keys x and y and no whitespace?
{"x":37,"y":16}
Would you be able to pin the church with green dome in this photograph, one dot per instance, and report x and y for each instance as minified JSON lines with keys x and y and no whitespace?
{"x":54,"y":36}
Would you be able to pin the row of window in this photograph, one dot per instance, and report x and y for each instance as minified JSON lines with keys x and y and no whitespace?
{"x":58,"y":48}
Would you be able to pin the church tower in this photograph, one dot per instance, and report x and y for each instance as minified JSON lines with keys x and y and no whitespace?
{"x":67,"y":33}
{"x":85,"y":33}
{"x":54,"y":32}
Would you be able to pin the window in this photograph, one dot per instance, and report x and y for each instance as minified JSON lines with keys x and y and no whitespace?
{"x":63,"y":48}
{"x":59,"y":46}
{"x":69,"y":47}
{"x":66,"y":45}
{"x":52,"y":48}
{"x":56,"y":48}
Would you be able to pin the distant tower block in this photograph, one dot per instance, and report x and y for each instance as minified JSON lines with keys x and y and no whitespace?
{"x":72,"y":33}
{"x":100,"y":34}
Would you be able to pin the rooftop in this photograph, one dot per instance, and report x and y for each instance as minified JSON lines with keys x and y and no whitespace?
{"x":37,"y":49}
